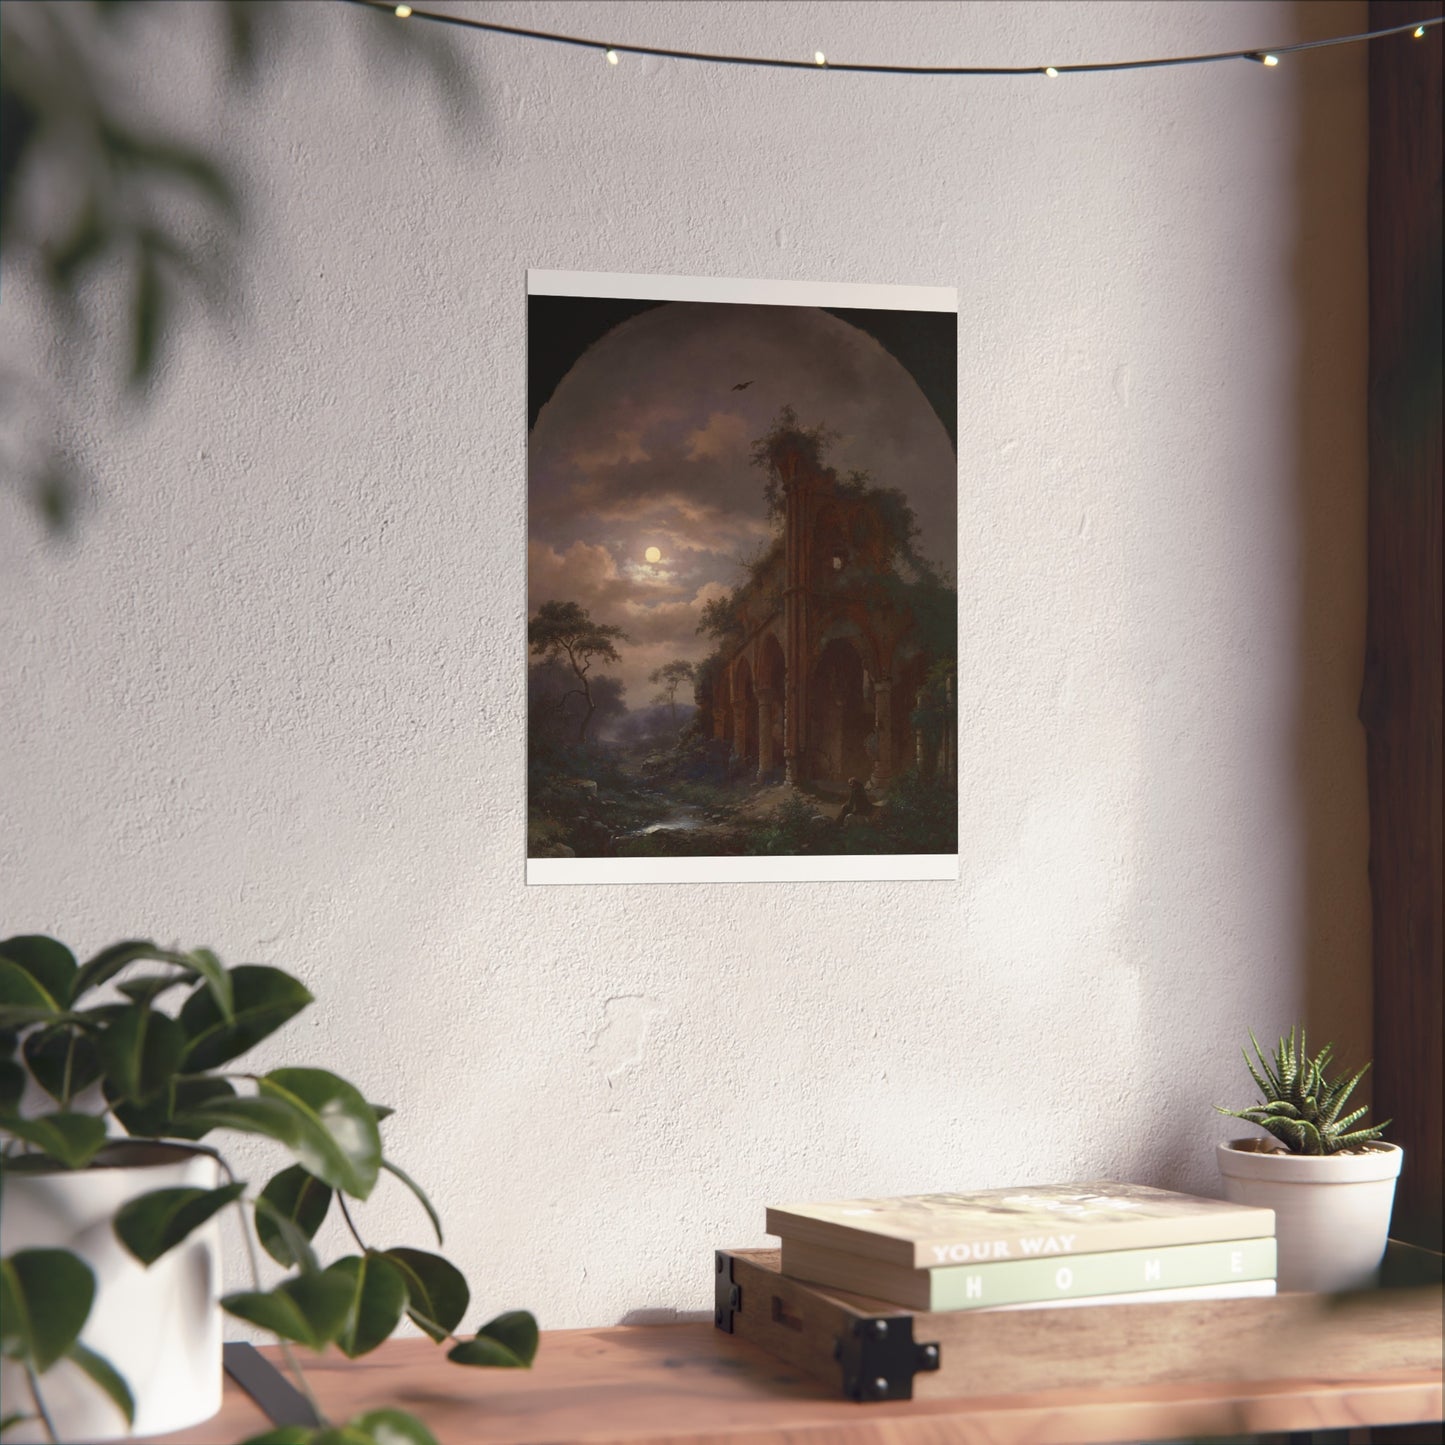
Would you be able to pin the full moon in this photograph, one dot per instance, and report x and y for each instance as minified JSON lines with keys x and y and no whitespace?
{"x":653,"y":554}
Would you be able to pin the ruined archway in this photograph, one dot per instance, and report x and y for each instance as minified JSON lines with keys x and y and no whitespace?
{"x":722,"y":707}
{"x":842,"y":722}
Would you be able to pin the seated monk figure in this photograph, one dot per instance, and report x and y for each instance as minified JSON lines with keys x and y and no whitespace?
{"x":859,"y":804}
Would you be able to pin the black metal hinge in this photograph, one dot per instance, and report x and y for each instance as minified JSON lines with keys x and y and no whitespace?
{"x":727,"y":1296}
{"x":880,"y":1358}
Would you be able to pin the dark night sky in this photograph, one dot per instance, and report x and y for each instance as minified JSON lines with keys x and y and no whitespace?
{"x":643,"y":444}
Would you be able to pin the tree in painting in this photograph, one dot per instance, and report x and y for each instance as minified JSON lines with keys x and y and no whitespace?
{"x":669,"y":677}
{"x":563,"y":631}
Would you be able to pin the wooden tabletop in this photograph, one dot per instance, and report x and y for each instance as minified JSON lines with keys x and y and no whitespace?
{"x":694,"y":1385}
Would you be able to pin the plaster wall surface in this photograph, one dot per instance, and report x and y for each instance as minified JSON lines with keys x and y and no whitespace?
{"x":268,"y":695}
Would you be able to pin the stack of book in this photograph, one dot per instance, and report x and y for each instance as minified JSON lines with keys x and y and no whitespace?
{"x":1031,"y":1247}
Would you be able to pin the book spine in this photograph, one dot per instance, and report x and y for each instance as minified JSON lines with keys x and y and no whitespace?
{"x":1116,"y":1272}
{"x":1248,"y":1289}
{"x":1137,"y":1234}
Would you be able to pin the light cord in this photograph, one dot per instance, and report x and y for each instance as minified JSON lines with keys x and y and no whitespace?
{"x":611,"y":50}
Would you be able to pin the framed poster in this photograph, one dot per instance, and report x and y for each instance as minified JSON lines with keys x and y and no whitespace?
{"x":742,"y":603}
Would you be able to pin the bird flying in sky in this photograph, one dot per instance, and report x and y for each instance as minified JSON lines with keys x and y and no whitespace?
{"x":742,"y":385}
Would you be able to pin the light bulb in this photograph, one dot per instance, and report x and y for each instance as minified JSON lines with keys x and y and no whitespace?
{"x":819,"y":58}
{"x":402,"y":11}
{"x":1051,"y":72}
{"x":1271,"y":60}
{"x":612,"y":57}
{"x":1419,"y":32}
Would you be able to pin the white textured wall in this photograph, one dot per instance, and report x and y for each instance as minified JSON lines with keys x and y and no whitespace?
{"x":270,"y":697}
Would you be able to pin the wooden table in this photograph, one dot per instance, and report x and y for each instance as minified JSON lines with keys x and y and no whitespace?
{"x":669,"y":1384}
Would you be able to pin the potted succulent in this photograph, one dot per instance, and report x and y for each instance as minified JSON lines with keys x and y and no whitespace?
{"x":1331,"y":1185}
{"x":113,"y":1087}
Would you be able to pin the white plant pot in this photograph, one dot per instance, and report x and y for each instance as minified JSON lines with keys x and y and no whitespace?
{"x":1331,"y":1211}
{"x":160,"y":1327}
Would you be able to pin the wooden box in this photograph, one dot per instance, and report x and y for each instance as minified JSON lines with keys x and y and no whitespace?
{"x":871,"y":1350}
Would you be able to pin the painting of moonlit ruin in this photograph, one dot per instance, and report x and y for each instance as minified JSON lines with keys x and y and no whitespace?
{"x":741,"y":580}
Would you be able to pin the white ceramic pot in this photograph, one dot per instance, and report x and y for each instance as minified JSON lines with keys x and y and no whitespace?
{"x":160,"y":1327}
{"x":1331,"y":1211}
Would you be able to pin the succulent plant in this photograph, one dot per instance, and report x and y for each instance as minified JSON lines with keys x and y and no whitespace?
{"x":1301,"y":1108}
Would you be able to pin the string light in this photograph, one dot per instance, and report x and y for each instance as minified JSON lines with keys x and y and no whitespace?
{"x":1260,"y":56}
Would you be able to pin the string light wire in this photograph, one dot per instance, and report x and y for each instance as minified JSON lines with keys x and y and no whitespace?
{"x":1269,"y":55}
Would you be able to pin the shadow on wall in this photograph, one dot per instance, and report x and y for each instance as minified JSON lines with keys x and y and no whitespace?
{"x":1322,"y":969}
{"x":162,"y":220}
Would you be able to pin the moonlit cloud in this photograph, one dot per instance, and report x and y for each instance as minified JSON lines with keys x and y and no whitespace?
{"x":725,"y":436}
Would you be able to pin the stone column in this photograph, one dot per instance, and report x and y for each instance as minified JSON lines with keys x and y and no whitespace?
{"x":792,"y":769}
{"x":883,"y":730}
{"x":740,"y":729}
{"x":767,"y":759}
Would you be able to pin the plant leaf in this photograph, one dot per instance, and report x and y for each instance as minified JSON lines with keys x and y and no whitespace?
{"x":310,"y":1310}
{"x":437,"y":1293}
{"x":12,"y":1086}
{"x":50,"y":964}
{"x":1361,"y":1136}
{"x":148,"y":315}
{"x":46,"y":1296}
{"x":186,"y":1094}
{"x":46,"y":1052}
{"x":73,"y":1139}
{"x":179,"y":161}
{"x":416,"y":1189}
{"x":340,"y":1143}
{"x":109,"y":962}
{"x":23,"y":999}
{"x":104,"y":1374}
{"x":264,"y":998}
{"x":141,"y":1051}
{"x":1282,"y":1107}
{"x":298,"y":1197}
{"x":299,"y":1247}
{"x":1338,"y":1126}
{"x":269,"y":1117}
{"x":507,"y":1342}
{"x":378,"y":1296}
{"x":11,"y":1421}
{"x":14,"y":1323}
{"x":209,"y":967}
{"x":148,"y":989}
{"x":279,"y":1115}
{"x":151,"y":1224}
{"x":392,"y":1427}
{"x":142,"y":1121}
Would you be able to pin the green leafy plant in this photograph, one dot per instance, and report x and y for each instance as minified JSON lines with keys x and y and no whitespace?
{"x":171,"y":1075}
{"x":1302,"y":1108}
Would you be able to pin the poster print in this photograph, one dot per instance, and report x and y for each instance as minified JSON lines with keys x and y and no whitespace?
{"x":741,"y":580}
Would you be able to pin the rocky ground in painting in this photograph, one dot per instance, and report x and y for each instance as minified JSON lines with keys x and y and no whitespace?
{"x":681,"y":803}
